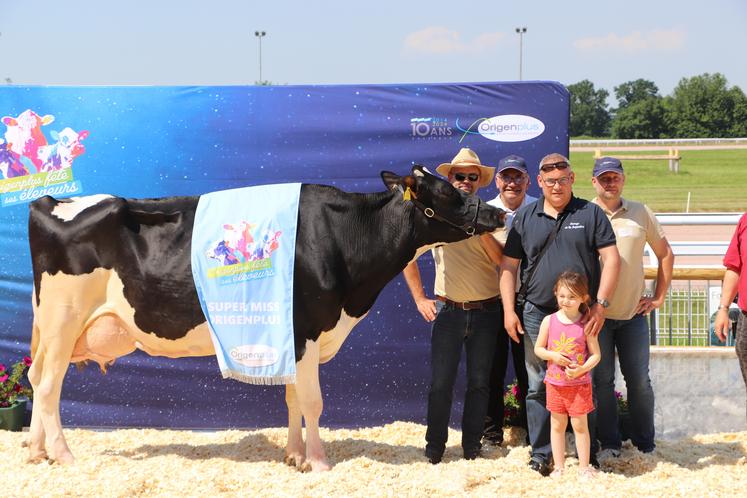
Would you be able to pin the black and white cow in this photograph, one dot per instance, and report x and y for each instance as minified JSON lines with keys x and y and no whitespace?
{"x":112,"y":275}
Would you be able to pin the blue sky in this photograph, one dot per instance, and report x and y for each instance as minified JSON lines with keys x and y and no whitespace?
{"x":164,"y":42}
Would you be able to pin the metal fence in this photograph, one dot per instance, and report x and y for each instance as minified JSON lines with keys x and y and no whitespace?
{"x":686,"y":317}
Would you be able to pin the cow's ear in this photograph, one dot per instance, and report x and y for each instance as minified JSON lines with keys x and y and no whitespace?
{"x":83,"y":135}
{"x":7,"y":120}
{"x":55,"y":136}
{"x":420,"y":170}
{"x":47,"y":119}
{"x":391,"y":180}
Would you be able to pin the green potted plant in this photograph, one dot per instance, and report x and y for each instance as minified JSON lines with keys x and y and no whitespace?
{"x":511,"y":407}
{"x":13,"y":394}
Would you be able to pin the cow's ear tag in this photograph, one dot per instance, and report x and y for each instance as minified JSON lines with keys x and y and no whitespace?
{"x":408,"y":194}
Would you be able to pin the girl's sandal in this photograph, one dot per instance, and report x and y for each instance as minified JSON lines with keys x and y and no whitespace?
{"x":587,"y":473}
{"x":557,"y":473}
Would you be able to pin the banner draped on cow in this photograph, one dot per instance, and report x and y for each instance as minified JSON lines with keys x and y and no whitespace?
{"x":162,"y":141}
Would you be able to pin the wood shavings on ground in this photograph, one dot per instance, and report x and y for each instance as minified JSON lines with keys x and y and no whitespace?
{"x":383,"y":461}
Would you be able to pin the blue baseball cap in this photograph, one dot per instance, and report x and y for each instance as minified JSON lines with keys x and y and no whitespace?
{"x":512,"y":162}
{"x":607,"y":164}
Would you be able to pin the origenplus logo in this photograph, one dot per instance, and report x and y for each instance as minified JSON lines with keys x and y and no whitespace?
{"x":430,"y":128}
{"x":255,"y":355}
{"x":506,"y":128}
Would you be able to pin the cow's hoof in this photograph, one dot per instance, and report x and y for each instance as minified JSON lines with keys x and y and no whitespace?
{"x":294,"y":460}
{"x":25,"y":443}
{"x":315,"y":466}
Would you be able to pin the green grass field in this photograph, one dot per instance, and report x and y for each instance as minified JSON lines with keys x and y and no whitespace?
{"x":715,"y":179}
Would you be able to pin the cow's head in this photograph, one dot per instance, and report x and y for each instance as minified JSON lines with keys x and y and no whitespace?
{"x":449,"y":213}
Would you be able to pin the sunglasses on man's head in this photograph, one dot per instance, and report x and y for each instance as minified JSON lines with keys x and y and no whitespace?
{"x":551,"y":166}
{"x":460,"y":177}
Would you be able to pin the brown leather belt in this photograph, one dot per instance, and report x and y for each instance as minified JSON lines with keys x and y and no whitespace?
{"x":469,"y":305}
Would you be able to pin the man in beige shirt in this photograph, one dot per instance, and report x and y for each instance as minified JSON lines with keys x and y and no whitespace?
{"x":465,"y":314}
{"x":626,"y":328}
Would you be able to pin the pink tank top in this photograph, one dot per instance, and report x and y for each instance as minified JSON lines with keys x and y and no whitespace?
{"x":569,"y":339}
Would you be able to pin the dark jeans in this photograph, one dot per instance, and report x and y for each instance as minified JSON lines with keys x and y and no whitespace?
{"x":538,"y":418}
{"x":631,"y":340}
{"x":494,"y":419}
{"x":477,"y":331}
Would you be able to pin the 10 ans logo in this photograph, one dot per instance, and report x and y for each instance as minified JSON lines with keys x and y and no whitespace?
{"x":431,"y":128}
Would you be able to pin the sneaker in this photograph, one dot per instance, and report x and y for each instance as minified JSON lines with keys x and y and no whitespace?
{"x":539,"y":466}
{"x":607,"y":454}
{"x":557,"y":473}
{"x":587,"y":473}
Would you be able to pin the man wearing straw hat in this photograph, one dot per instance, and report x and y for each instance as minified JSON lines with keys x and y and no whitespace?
{"x":465,"y":313}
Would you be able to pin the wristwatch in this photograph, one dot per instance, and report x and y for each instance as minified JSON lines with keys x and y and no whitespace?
{"x":604,"y":303}
{"x":722,"y":307}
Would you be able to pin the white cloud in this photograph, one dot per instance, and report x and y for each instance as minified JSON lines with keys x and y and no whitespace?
{"x":437,"y":40}
{"x":658,"y":40}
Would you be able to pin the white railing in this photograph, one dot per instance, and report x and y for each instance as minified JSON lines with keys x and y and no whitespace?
{"x":658,"y":141}
{"x":698,"y":218}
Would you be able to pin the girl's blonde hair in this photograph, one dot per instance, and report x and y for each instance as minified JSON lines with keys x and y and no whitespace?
{"x":575,"y":282}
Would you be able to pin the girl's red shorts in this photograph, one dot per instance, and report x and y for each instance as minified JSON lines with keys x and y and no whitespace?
{"x":571,"y":400}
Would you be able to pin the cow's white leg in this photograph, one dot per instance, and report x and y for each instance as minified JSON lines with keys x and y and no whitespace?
{"x":37,"y":451}
{"x":56,"y":349}
{"x":294,"y":450}
{"x":309,"y":394}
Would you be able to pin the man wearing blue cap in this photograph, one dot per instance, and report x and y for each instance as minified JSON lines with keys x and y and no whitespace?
{"x":512,"y":182}
{"x":626,"y":328}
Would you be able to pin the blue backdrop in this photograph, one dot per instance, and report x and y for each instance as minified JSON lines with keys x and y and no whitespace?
{"x":161,"y":141}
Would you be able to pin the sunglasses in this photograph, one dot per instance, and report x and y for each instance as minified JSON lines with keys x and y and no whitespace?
{"x":460,"y":177}
{"x":551,"y":166}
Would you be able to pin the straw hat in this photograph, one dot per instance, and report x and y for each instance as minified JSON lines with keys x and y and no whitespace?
{"x":466,"y":158}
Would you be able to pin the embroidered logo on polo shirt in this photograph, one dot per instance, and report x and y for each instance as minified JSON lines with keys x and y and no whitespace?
{"x":573,"y":225}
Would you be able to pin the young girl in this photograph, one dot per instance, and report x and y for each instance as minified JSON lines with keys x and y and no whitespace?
{"x":570,"y":357}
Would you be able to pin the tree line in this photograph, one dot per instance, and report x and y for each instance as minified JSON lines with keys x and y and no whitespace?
{"x":703,"y":106}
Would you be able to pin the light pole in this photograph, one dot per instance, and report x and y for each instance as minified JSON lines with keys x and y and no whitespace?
{"x":521,"y":32}
{"x":260,"y":35}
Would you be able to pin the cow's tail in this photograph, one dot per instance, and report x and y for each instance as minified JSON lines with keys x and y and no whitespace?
{"x":34,"y":330}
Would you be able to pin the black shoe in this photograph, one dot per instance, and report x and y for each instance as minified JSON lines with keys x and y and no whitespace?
{"x":594,"y":462}
{"x":493,"y":437}
{"x":539,"y":466}
{"x":433,"y":457}
{"x":472,"y":454}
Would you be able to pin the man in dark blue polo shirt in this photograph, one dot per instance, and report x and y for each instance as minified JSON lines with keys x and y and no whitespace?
{"x":583,"y":235}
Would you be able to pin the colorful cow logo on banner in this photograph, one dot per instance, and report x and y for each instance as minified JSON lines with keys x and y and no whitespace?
{"x":30,"y":166}
{"x":242,"y":250}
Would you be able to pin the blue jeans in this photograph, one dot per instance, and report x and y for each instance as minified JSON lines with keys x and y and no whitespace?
{"x":477,"y":331}
{"x":631,"y":340}
{"x":538,"y":418}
